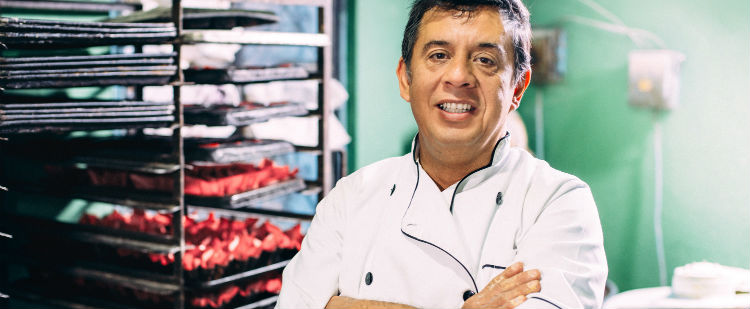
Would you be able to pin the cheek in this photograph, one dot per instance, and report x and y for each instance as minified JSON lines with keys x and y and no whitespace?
{"x":420,"y":91}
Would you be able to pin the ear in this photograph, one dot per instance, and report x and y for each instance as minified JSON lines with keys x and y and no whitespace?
{"x":520,"y":89}
{"x":404,"y":82}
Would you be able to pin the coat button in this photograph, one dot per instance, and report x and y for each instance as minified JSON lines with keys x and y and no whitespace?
{"x":499,"y":199}
{"x":468,"y":294}
{"x":368,"y":278}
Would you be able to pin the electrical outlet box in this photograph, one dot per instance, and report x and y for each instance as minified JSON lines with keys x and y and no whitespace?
{"x":548,"y":57}
{"x":654,"y":78}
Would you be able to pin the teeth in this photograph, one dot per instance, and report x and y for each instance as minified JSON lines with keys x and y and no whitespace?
{"x":455,"y":107}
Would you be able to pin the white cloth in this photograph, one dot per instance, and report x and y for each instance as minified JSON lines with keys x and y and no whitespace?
{"x":383,"y":225}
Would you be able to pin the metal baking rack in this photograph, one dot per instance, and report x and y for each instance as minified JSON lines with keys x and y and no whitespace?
{"x":40,"y":35}
{"x":62,"y":117}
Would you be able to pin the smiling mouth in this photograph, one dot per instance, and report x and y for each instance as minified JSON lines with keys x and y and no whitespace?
{"x":456,"y":108}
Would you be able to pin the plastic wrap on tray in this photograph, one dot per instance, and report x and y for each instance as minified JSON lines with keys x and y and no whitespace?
{"x":221,"y":151}
{"x":244,"y":114}
{"x":216,"y":247}
{"x":244,"y":75}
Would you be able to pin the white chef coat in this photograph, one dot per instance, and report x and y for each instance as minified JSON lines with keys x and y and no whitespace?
{"x":383,"y":234}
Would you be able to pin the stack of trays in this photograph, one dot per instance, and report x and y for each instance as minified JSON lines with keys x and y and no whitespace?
{"x":75,"y":71}
{"x":245,"y":114}
{"x":33,"y":33}
{"x":235,"y":75}
{"x":39,"y":117}
{"x":194,"y":18}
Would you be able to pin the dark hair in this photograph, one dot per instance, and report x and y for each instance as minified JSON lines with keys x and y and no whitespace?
{"x":513,"y":11}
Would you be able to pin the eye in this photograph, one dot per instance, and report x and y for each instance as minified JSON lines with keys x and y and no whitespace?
{"x":486,"y":61}
{"x":439,"y":56}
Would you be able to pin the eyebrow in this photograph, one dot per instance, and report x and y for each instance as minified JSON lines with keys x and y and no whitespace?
{"x":434,"y":43}
{"x":489,"y":45}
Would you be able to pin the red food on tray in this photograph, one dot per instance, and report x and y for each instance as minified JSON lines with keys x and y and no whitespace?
{"x":230,"y":179}
{"x":138,"y":221}
{"x":214,"y":242}
{"x":266,"y":285}
{"x":215,"y":180}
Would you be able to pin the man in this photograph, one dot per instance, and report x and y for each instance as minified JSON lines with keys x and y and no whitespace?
{"x":464,"y":220}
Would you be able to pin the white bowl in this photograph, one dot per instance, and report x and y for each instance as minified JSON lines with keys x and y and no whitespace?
{"x":702,"y":280}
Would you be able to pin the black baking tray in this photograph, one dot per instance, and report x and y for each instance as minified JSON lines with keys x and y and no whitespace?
{"x":98,"y":70}
{"x":47,"y":28}
{"x":33,"y":73}
{"x":34,"y":33}
{"x":44,"y":294}
{"x":221,"y":151}
{"x":83,"y":124}
{"x":32,"y":115}
{"x":60,"y":40}
{"x":239,"y":276}
{"x":87,"y":57}
{"x":125,"y":78}
{"x":73,"y":6}
{"x":10,"y":112}
{"x":12,"y":21}
{"x":248,"y":198}
{"x":10,"y":106}
{"x":113,"y":60}
{"x":195,"y":18}
{"x":266,"y":303}
{"x":244,"y":75}
{"x":242,"y":115}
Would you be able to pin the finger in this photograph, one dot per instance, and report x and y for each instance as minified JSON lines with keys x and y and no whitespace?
{"x":518,"y":291}
{"x":517,"y":280}
{"x":511,"y":271}
{"x":514,"y":302}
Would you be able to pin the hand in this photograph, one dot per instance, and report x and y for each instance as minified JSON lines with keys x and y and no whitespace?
{"x":343,"y":302}
{"x":508,"y":289}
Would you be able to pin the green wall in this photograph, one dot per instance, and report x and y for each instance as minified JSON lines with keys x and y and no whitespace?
{"x":380,"y":122}
{"x":590,"y":130}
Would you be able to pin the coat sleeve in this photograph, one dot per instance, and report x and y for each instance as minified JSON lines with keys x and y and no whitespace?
{"x":312,"y":277}
{"x":565,"y":243}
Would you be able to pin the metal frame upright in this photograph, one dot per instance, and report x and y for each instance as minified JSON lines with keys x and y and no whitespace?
{"x":179,"y":155}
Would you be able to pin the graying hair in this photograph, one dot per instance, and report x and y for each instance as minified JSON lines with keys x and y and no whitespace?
{"x":515,"y":19}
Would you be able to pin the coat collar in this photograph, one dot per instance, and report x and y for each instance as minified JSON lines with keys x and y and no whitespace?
{"x":473,"y":179}
{"x":429,"y":220}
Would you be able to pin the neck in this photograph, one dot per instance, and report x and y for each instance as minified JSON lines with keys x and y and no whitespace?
{"x":448,"y":164}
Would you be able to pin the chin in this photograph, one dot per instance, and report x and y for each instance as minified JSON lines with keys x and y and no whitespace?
{"x":456,"y":137}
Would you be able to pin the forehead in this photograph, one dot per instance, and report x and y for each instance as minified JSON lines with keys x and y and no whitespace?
{"x":483,"y":24}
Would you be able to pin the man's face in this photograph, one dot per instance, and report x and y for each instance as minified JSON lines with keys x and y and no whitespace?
{"x":460,"y":87}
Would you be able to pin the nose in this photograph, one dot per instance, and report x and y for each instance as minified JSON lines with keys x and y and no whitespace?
{"x":460,"y":75}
